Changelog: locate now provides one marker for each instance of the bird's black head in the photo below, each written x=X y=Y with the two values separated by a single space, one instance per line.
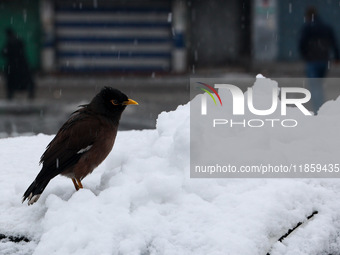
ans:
x=110 y=102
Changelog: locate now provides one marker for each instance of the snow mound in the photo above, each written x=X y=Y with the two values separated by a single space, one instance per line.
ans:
x=141 y=201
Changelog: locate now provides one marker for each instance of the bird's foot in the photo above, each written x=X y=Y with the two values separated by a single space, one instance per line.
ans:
x=77 y=184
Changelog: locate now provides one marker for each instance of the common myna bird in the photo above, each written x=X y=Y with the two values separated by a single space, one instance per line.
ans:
x=82 y=143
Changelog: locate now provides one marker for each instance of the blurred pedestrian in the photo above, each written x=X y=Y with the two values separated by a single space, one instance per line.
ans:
x=17 y=71
x=317 y=43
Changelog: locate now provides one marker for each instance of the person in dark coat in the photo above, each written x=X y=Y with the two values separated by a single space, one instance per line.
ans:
x=317 y=43
x=17 y=71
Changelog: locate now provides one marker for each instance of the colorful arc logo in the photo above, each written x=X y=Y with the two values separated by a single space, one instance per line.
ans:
x=209 y=93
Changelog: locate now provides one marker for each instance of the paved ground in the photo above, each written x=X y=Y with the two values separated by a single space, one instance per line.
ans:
x=58 y=97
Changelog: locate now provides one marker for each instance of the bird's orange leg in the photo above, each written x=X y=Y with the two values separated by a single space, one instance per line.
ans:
x=76 y=186
x=80 y=185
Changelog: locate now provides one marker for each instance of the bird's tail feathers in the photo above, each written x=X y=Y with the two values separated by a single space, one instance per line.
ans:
x=34 y=191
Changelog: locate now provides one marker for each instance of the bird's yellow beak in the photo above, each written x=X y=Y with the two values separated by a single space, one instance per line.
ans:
x=130 y=101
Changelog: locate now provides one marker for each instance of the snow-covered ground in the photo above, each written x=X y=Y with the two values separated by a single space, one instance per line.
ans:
x=141 y=201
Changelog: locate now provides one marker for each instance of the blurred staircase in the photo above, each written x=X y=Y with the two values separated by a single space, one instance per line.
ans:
x=113 y=35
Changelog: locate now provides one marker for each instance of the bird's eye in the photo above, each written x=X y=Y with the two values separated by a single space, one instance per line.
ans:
x=114 y=102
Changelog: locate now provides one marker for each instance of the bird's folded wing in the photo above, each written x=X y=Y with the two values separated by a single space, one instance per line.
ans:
x=75 y=138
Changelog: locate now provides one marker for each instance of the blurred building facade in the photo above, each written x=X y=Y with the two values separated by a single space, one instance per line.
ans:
x=158 y=36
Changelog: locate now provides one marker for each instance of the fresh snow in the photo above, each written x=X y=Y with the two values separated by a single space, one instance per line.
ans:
x=141 y=200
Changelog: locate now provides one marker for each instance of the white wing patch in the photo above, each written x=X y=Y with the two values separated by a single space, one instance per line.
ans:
x=85 y=149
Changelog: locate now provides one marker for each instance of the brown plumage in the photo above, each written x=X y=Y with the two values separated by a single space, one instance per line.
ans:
x=82 y=143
